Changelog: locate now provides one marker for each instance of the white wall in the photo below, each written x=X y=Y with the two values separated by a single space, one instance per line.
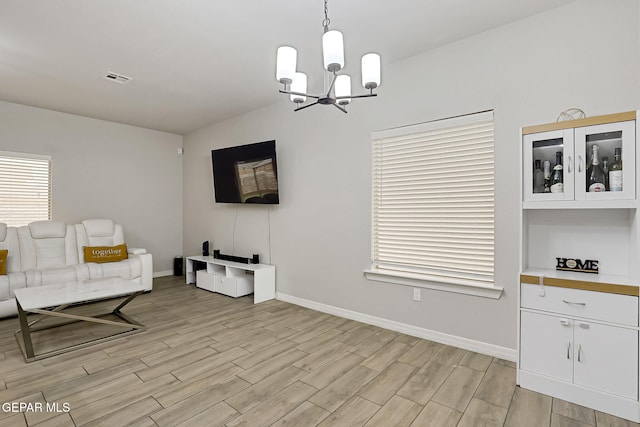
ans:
x=585 y=55
x=102 y=169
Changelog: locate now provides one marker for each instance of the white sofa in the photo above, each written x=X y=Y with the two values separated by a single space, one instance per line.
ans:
x=48 y=252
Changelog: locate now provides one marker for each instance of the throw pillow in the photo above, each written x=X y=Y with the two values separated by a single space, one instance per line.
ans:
x=3 y=261
x=105 y=253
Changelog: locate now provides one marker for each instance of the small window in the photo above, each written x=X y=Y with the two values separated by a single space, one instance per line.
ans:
x=25 y=188
x=433 y=201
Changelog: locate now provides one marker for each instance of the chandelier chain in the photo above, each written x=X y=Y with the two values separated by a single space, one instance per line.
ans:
x=326 y=21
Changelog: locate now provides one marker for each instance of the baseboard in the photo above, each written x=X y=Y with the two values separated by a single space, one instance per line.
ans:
x=460 y=342
x=162 y=273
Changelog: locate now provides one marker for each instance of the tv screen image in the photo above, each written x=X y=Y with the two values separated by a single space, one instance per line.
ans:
x=246 y=173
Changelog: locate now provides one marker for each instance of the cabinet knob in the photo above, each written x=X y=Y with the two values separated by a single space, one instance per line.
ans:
x=569 y=164
x=574 y=303
x=579 y=353
x=580 y=164
x=564 y=322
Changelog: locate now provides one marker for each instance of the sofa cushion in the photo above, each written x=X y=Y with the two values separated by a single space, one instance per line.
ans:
x=98 y=232
x=3 y=262
x=102 y=254
x=10 y=282
x=99 y=227
x=47 y=244
x=14 y=281
x=47 y=229
x=52 y=276
x=4 y=288
x=125 y=269
x=83 y=272
x=128 y=269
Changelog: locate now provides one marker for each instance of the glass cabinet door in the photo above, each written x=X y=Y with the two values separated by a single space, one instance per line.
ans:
x=602 y=152
x=548 y=166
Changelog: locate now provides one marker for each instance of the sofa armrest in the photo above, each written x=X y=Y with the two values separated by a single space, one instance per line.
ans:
x=146 y=278
x=136 y=251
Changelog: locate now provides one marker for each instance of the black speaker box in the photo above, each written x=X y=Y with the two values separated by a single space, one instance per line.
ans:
x=178 y=266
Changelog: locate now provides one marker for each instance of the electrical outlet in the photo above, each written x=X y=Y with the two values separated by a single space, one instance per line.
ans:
x=416 y=294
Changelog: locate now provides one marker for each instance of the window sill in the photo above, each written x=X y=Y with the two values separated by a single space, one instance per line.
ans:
x=419 y=281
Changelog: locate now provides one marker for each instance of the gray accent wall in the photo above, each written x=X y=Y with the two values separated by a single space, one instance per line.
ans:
x=103 y=169
x=585 y=54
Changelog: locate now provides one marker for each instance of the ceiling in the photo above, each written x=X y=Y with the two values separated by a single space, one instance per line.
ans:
x=196 y=62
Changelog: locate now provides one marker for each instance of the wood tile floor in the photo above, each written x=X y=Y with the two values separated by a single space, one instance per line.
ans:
x=210 y=360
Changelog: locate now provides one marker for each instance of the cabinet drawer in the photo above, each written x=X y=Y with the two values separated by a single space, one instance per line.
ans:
x=622 y=309
x=233 y=286
x=205 y=280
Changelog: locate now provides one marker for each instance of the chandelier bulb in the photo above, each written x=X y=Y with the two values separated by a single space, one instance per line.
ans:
x=299 y=85
x=286 y=60
x=333 y=50
x=343 y=89
x=371 y=71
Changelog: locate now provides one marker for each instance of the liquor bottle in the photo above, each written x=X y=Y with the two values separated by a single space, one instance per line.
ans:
x=615 y=171
x=595 y=174
x=605 y=169
x=538 y=179
x=547 y=176
x=557 y=183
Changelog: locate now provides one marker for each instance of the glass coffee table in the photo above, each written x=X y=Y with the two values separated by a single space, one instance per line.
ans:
x=51 y=300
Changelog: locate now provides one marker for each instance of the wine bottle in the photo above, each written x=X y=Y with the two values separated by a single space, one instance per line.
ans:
x=538 y=179
x=595 y=174
x=615 y=171
x=557 y=181
x=605 y=169
x=547 y=176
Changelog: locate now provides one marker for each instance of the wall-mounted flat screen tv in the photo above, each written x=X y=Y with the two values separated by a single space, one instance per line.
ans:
x=246 y=173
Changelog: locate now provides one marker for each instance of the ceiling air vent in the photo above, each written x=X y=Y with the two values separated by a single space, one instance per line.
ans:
x=118 y=78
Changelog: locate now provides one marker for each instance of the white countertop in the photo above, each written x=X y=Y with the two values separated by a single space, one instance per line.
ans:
x=583 y=277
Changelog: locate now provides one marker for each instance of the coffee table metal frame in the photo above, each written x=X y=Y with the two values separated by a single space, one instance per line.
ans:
x=26 y=326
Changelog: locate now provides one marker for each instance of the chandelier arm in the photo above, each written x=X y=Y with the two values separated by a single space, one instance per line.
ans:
x=288 y=92
x=333 y=82
x=340 y=108
x=305 y=106
x=368 y=95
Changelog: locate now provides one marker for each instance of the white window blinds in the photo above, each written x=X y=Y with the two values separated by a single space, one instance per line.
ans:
x=25 y=188
x=433 y=200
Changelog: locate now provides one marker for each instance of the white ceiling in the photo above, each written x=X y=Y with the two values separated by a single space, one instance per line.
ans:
x=195 y=62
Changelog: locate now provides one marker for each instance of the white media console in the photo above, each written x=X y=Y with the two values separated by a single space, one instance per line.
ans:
x=234 y=279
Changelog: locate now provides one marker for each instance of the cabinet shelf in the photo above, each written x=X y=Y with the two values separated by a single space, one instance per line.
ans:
x=581 y=204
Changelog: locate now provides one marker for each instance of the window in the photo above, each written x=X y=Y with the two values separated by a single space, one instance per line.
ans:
x=25 y=188
x=433 y=205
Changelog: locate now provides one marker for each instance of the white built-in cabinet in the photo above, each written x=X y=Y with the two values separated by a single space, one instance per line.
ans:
x=579 y=332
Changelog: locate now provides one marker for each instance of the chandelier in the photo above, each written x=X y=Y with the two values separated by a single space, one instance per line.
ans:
x=337 y=87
